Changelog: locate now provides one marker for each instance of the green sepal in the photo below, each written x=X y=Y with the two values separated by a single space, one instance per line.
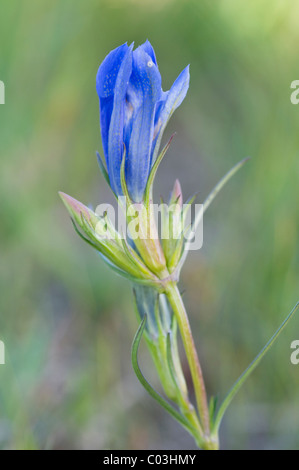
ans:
x=135 y=259
x=114 y=251
x=150 y=181
x=173 y=226
x=82 y=236
x=123 y=179
x=115 y=268
x=103 y=169
x=102 y=236
x=126 y=275
x=76 y=208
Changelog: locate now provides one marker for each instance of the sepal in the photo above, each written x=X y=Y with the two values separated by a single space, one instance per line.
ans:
x=173 y=227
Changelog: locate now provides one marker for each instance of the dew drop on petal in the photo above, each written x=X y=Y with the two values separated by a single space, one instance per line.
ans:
x=150 y=63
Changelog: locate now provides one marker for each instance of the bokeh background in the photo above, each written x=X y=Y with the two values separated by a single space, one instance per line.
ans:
x=66 y=320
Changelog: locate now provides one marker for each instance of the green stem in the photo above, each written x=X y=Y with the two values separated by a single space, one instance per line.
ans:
x=177 y=305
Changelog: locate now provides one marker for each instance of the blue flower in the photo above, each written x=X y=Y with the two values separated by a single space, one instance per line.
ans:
x=134 y=112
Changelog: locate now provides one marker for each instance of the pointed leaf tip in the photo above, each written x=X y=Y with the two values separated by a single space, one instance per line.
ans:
x=74 y=206
x=76 y=209
x=176 y=194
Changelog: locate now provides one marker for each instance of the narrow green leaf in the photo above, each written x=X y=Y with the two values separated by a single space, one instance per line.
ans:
x=82 y=236
x=169 y=408
x=103 y=168
x=115 y=268
x=125 y=274
x=223 y=182
x=212 y=409
x=217 y=189
x=153 y=172
x=135 y=259
x=234 y=390
x=170 y=362
x=207 y=203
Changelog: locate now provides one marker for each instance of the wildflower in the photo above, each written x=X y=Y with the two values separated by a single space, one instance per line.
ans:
x=134 y=111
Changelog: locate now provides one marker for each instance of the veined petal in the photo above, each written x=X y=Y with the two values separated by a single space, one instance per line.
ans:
x=172 y=101
x=158 y=123
x=108 y=71
x=105 y=84
x=106 y=106
x=112 y=80
x=148 y=48
x=175 y=95
x=144 y=91
x=133 y=99
x=116 y=127
x=134 y=113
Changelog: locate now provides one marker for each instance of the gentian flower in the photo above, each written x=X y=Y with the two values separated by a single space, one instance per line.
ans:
x=134 y=111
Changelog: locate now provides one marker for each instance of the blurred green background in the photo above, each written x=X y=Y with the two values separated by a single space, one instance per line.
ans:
x=66 y=320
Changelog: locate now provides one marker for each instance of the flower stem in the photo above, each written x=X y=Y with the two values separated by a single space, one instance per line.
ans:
x=177 y=305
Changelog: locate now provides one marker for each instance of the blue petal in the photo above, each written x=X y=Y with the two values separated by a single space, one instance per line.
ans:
x=148 y=48
x=113 y=81
x=144 y=91
x=159 y=107
x=112 y=78
x=108 y=71
x=105 y=84
x=171 y=102
x=106 y=106
x=116 y=129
